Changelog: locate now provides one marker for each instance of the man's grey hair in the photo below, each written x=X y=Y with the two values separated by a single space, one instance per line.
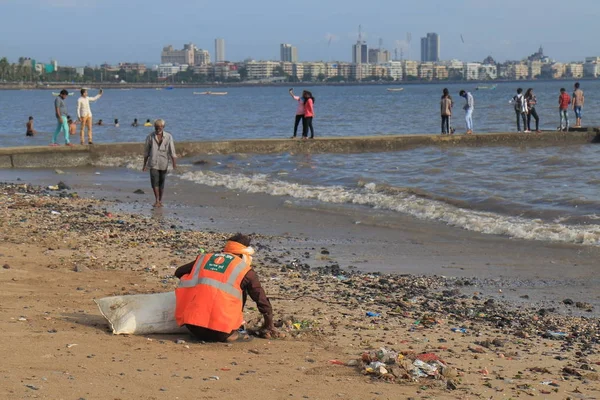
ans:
x=160 y=122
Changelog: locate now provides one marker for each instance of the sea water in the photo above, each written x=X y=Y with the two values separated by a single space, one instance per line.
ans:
x=543 y=193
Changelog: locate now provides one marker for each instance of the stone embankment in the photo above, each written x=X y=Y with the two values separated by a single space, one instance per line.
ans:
x=76 y=156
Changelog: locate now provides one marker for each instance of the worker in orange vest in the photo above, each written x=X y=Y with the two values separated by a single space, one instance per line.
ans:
x=213 y=289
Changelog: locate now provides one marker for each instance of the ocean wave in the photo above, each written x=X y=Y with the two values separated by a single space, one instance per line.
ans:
x=408 y=201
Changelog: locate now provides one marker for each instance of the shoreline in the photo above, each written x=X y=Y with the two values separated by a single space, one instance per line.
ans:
x=97 y=253
x=157 y=85
x=389 y=242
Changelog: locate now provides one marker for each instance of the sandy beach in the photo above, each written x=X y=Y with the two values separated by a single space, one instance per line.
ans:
x=60 y=253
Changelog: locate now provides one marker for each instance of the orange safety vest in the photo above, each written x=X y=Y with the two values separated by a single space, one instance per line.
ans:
x=210 y=296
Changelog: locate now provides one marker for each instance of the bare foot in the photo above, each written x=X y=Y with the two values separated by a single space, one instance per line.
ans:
x=157 y=204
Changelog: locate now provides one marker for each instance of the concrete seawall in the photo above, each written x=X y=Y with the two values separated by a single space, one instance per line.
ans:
x=62 y=157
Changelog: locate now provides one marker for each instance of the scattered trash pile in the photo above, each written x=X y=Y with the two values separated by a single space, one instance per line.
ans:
x=289 y=326
x=427 y=369
x=433 y=300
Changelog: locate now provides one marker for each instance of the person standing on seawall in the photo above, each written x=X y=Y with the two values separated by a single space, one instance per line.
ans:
x=563 y=108
x=159 y=148
x=84 y=114
x=520 y=110
x=468 y=107
x=60 y=110
x=578 y=100
x=446 y=109
x=299 y=111
x=309 y=113
x=531 y=102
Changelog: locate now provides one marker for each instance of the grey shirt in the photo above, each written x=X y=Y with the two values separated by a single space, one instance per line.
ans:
x=60 y=104
x=159 y=155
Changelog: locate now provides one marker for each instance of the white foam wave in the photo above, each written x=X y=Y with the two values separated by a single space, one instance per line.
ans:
x=409 y=203
x=131 y=162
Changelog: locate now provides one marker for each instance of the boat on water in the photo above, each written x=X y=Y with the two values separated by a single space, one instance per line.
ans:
x=58 y=94
x=395 y=89
x=486 y=87
x=212 y=93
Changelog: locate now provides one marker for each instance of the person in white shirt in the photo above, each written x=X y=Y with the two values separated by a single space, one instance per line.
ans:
x=84 y=114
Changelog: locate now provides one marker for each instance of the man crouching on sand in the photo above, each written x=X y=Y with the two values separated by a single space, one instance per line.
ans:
x=212 y=292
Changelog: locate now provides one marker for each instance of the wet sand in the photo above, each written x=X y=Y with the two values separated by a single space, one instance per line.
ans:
x=369 y=240
x=56 y=344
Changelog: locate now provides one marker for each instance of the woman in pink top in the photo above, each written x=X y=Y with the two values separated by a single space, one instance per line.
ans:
x=299 y=111
x=309 y=113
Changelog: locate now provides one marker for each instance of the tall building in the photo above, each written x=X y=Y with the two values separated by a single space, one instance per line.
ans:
x=430 y=48
x=171 y=56
x=219 y=50
x=378 y=56
x=288 y=53
x=360 y=53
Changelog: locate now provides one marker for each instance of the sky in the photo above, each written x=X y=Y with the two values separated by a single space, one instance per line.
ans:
x=91 y=32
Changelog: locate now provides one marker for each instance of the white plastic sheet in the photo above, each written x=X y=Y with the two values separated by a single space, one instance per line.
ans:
x=141 y=314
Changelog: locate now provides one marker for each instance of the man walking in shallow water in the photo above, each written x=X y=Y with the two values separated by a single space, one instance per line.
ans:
x=159 y=148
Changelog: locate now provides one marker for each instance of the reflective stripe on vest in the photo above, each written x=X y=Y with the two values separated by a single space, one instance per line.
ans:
x=193 y=281
x=226 y=287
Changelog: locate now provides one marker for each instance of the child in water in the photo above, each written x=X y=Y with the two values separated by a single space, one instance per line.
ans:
x=72 y=125
x=135 y=123
x=30 y=130
x=148 y=123
x=117 y=122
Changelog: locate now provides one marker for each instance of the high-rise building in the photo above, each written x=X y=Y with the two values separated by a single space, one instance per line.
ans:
x=360 y=53
x=378 y=56
x=288 y=53
x=219 y=50
x=430 y=48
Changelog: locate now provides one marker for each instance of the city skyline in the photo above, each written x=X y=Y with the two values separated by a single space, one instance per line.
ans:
x=486 y=29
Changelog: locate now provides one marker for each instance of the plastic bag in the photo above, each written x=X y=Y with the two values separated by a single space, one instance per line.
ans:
x=141 y=314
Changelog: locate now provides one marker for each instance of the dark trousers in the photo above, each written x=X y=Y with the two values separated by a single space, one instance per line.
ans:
x=157 y=178
x=533 y=113
x=306 y=125
x=445 y=124
x=297 y=122
x=521 y=115
x=207 y=335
